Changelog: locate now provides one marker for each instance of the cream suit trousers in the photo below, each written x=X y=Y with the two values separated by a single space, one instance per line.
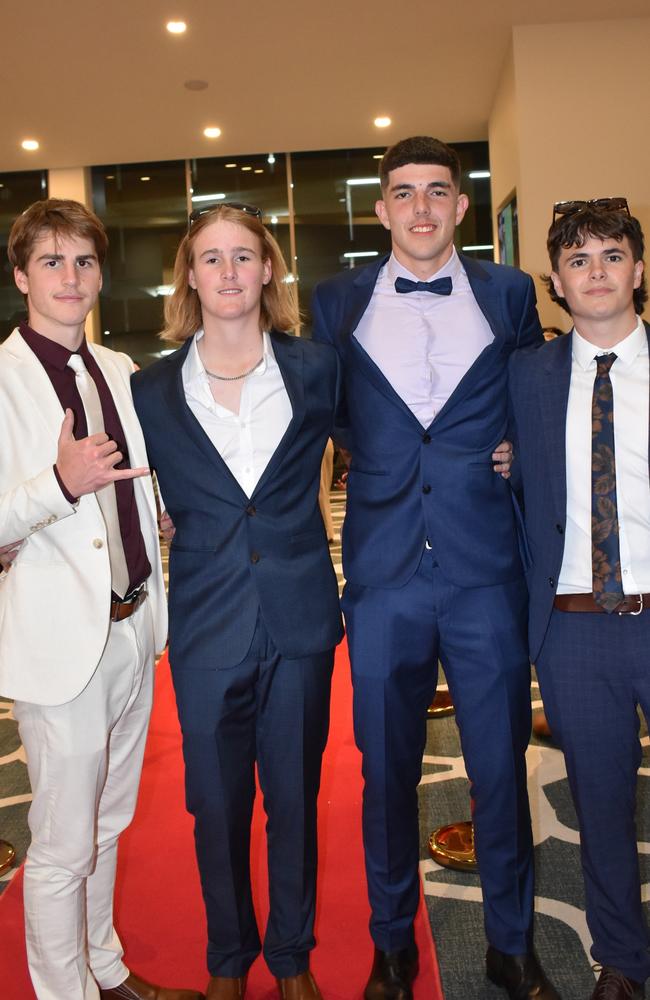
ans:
x=84 y=760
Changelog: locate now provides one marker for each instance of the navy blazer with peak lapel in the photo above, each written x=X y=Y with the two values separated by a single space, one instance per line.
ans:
x=539 y=390
x=407 y=484
x=233 y=555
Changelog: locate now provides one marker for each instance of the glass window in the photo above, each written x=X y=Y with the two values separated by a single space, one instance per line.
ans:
x=17 y=192
x=144 y=209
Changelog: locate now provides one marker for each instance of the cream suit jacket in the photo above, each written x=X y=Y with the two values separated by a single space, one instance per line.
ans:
x=54 y=601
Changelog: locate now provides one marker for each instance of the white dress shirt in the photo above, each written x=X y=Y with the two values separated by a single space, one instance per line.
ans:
x=245 y=440
x=631 y=387
x=423 y=342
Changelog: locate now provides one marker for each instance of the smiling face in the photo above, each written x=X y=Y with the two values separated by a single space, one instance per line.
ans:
x=421 y=207
x=61 y=280
x=597 y=280
x=228 y=272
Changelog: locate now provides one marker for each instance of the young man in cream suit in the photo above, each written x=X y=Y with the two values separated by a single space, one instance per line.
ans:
x=82 y=604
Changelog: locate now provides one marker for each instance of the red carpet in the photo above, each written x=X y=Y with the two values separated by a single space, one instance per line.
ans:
x=159 y=910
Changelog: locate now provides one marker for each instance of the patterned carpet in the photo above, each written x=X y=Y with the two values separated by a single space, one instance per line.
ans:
x=453 y=899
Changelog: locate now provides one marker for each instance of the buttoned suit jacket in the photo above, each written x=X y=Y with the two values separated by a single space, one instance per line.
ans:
x=408 y=483
x=55 y=599
x=233 y=556
x=539 y=391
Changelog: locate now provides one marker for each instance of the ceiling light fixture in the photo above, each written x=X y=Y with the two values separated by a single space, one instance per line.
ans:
x=478 y=174
x=30 y=144
x=270 y=158
x=229 y=165
x=258 y=171
x=358 y=181
x=480 y=246
x=361 y=253
x=145 y=178
x=176 y=27
x=212 y=132
x=383 y=121
x=246 y=168
x=378 y=156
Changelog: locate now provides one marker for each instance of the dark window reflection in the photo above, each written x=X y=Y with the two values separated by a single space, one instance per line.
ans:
x=144 y=209
x=17 y=192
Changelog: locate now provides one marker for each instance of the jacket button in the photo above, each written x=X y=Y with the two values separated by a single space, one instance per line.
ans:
x=426 y=438
x=255 y=557
x=426 y=489
x=250 y=510
x=97 y=542
x=559 y=529
x=551 y=581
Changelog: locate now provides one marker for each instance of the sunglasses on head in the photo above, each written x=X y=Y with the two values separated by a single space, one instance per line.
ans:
x=600 y=204
x=240 y=205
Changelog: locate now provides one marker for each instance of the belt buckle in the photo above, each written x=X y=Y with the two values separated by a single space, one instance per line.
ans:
x=638 y=611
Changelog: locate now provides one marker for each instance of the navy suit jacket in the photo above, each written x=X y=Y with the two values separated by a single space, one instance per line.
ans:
x=539 y=390
x=233 y=555
x=407 y=484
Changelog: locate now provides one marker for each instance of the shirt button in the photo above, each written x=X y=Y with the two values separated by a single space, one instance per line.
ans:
x=426 y=439
x=250 y=510
x=551 y=581
x=255 y=557
x=426 y=489
x=625 y=572
x=97 y=542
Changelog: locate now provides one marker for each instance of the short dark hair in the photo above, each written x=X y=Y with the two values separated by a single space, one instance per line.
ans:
x=60 y=217
x=572 y=231
x=419 y=149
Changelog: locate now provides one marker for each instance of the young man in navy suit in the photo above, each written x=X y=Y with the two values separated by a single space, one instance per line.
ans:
x=582 y=412
x=431 y=553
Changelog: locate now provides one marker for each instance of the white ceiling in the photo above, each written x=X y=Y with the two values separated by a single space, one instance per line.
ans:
x=100 y=82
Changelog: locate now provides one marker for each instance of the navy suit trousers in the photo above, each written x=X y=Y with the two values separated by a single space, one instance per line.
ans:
x=479 y=634
x=594 y=673
x=272 y=711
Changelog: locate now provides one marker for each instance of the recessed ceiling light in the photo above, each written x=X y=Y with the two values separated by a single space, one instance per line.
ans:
x=30 y=144
x=274 y=218
x=229 y=165
x=247 y=168
x=176 y=27
x=145 y=178
x=258 y=171
x=383 y=121
x=212 y=132
x=270 y=158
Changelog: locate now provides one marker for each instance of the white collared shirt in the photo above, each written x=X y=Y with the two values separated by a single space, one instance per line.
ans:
x=631 y=387
x=245 y=440
x=422 y=342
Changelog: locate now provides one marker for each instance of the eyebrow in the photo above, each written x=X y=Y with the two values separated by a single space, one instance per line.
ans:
x=584 y=254
x=411 y=187
x=233 y=249
x=60 y=256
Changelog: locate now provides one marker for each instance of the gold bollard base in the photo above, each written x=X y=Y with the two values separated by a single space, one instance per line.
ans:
x=453 y=847
x=440 y=706
x=7 y=855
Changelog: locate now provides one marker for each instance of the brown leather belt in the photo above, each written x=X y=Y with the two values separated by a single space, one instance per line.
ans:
x=632 y=604
x=124 y=609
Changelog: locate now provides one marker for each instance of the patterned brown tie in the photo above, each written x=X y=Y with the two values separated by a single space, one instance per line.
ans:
x=605 y=552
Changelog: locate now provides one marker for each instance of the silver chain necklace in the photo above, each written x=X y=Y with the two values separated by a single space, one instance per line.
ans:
x=233 y=378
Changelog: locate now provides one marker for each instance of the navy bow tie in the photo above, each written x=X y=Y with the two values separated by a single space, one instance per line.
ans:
x=441 y=286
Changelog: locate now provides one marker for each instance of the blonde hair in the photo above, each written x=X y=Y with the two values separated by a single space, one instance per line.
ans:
x=278 y=307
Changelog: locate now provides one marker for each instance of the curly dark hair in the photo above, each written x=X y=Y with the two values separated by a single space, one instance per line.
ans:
x=572 y=231
x=419 y=149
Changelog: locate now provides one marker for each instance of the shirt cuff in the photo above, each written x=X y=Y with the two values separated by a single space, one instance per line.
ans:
x=65 y=492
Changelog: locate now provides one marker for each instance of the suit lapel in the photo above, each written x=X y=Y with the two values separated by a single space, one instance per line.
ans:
x=35 y=381
x=554 y=382
x=289 y=357
x=180 y=412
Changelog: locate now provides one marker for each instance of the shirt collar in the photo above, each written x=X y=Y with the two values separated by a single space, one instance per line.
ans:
x=195 y=369
x=48 y=351
x=627 y=350
x=452 y=269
